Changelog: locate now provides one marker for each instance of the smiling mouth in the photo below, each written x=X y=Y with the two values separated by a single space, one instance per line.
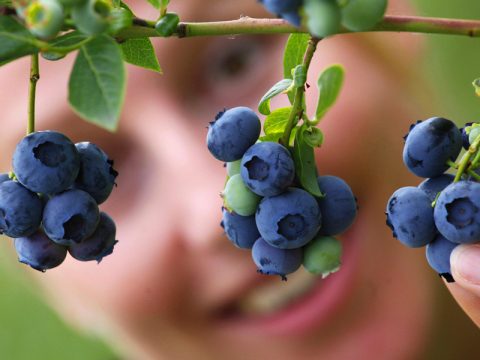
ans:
x=303 y=303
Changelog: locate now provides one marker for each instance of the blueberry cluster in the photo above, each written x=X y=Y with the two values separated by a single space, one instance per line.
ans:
x=326 y=17
x=49 y=204
x=264 y=208
x=440 y=213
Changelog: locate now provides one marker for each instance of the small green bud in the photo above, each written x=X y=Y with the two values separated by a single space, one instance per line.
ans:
x=167 y=25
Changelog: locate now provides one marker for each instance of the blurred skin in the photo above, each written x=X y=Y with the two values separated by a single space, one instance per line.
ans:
x=165 y=291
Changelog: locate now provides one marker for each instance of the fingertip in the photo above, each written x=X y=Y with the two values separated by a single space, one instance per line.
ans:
x=465 y=264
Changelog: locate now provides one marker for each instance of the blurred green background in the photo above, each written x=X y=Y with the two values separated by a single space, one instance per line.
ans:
x=30 y=329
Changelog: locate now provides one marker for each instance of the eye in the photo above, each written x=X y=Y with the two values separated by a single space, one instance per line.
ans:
x=234 y=71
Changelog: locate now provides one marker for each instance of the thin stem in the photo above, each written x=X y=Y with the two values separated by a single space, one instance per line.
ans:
x=247 y=25
x=34 y=77
x=464 y=162
x=297 y=107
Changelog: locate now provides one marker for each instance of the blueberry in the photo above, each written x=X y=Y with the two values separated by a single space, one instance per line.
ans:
x=239 y=198
x=241 y=230
x=267 y=168
x=39 y=252
x=322 y=255
x=474 y=132
x=92 y=17
x=438 y=256
x=410 y=216
x=233 y=168
x=4 y=177
x=274 y=261
x=232 y=133
x=289 y=220
x=435 y=185
x=44 y=18
x=457 y=212
x=20 y=210
x=46 y=162
x=362 y=15
x=99 y=244
x=96 y=175
x=324 y=17
x=429 y=145
x=338 y=207
x=293 y=17
x=70 y=217
x=465 y=137
x=282 y=6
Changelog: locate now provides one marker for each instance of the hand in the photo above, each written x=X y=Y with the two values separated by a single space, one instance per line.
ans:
x=465 y=266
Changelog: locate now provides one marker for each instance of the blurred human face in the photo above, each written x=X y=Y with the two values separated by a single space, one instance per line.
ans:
x=175 y=287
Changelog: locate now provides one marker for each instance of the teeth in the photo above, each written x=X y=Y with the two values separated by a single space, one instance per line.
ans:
x=272 y=297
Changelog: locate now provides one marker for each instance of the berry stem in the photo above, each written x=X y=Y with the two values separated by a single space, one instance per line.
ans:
x=464 y=164
x=247 y=25
x=34 y=77
x=297 y=107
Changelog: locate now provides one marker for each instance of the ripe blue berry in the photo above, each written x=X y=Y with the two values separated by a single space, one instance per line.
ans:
x=4 y=177
x=267 y=168
x=289 y=220
x=338 y=207
x=435 y=185
x=457 y=212
x=282 y=6
x=410 y=216
x=70 y=217
x=274 y=261
x=232 y=133
x=39 y=252
x=465 y=137
x=46 y=162
x=20 y=210
x=241 y=230
x=97 y=175
x=438 y=256
x=239 y=198
x=429 y=145
x=293 y=17
x=99 y=244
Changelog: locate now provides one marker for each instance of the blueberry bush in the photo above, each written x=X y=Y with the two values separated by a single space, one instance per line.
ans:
x=275 y=202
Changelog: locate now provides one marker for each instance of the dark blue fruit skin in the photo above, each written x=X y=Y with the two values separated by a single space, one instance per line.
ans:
x=281 y=6
x=338 y=207
x=4 y=177
x=39 y=252
x=457 y=212
x=96 y=175
x=293 y=17
x=232 y=133
x=465 y=140
x=438 y=255
x=241 y=230
x=20 y=210
x=274 y=261
x=46 y=162
x=99 y=244
x=410 y=216
x=433 y=186
x=70 y=217
x=429 y=145
x=289 y=220
x=267 y=168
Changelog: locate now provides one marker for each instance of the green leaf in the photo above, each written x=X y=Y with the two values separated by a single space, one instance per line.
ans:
x=276 y=121
x=305 y=166
x=15 y=40
x=278 y=88
x=97 y=82
x=294 y=50
x=329 y=85
x=313 y=136
x=155 y=3
x=140 y=52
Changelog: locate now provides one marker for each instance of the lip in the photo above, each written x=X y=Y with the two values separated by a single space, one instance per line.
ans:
x=311 y=311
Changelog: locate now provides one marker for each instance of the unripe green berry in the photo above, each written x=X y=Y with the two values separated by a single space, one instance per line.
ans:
x=238 y=198
x=93 y=16
x=322 y=255
x=233 y=168
x=44 y=18
x=324 y=17
x=362 y=15
x=473 y=134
